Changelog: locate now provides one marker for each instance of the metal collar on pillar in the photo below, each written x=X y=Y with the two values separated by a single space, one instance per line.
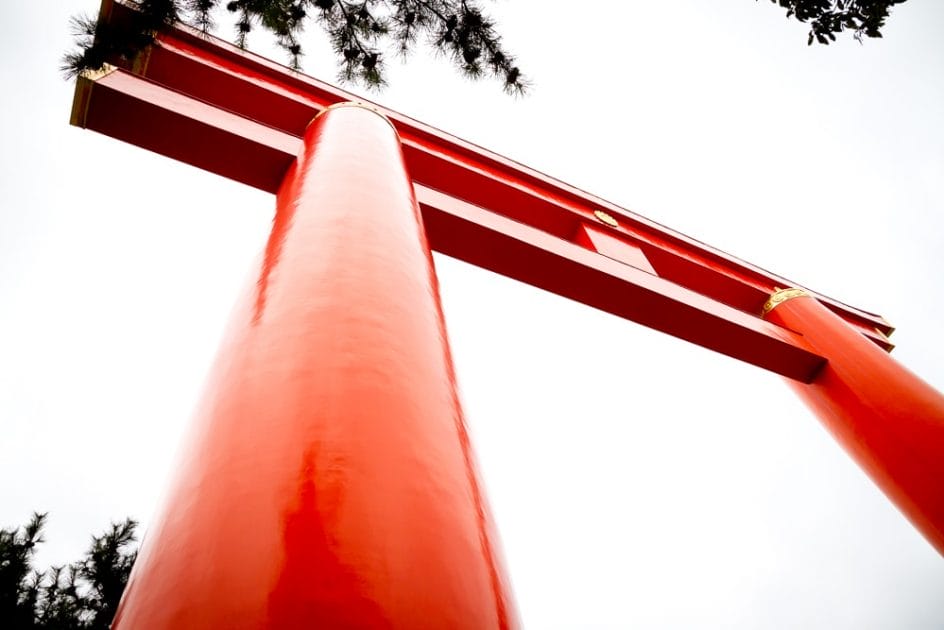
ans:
x=780 y=296
x=358 y=104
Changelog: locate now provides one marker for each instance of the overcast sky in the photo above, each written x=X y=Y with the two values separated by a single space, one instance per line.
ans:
x=637 y=480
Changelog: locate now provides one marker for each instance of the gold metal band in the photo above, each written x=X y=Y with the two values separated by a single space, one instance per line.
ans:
x=780 y=296
x=370 y=108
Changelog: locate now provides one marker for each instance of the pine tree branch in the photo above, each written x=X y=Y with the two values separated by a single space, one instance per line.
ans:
x=356 y=29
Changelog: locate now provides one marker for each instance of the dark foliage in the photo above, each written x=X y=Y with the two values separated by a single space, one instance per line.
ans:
x=829 y=17
x=362 y=32
x=81 y=596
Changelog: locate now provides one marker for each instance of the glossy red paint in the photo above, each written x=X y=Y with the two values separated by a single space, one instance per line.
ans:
x=889 y=420
x=330 y=482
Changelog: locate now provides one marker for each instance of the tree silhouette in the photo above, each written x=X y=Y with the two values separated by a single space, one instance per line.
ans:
x=829 y=17
x=81 y=596
x=362 y=32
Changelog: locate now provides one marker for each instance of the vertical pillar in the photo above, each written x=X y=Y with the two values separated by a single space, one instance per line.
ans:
x=889 y=420
x=330 y=482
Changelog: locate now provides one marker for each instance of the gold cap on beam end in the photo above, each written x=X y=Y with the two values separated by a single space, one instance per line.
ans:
x=83 y=92
x=95 y=75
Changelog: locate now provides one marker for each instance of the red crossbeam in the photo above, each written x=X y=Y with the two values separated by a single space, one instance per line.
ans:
x=204 y=102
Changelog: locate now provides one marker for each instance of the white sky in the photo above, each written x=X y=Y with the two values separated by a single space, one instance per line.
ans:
x=637 y=481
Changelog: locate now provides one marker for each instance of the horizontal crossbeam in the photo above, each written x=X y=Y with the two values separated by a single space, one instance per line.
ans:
x=204 y=102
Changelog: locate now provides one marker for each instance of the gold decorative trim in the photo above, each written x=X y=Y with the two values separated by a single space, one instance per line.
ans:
x=604 y=217
x=780 y=296
x=370 y=108
x=95 y=75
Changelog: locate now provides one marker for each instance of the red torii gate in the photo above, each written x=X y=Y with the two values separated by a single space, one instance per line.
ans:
x=330 y=479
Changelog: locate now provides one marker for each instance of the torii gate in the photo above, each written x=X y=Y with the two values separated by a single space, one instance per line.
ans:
x=329 y=480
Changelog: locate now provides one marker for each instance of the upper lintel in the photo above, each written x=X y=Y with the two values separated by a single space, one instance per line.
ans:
x=268 y=106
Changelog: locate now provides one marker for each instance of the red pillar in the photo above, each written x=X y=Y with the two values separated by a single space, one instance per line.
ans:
x=330 y=482
x=889 y=420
